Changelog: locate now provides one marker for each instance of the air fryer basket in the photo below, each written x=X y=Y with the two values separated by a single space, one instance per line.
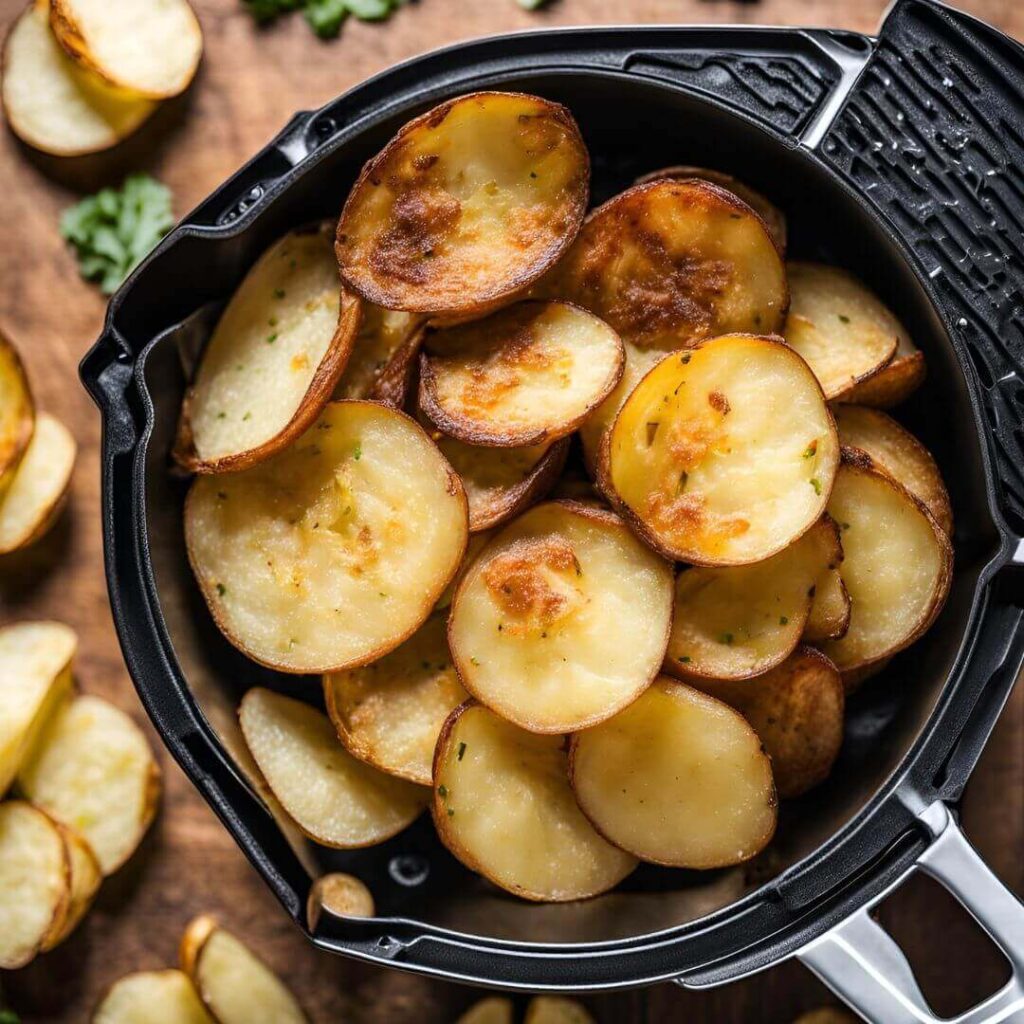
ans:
x=899 y=158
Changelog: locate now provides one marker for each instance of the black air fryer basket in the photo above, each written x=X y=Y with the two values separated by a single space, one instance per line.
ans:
x=900 y=157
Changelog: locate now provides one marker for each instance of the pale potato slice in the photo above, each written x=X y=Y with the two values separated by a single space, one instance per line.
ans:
x=723 y=455
x=897 y=564
x=677 y=778
x=274 y=357
x=467 y=205
x=53 y=104
x=17 y=412
x=35 y=678
x=150 y=48
x=330 y=554
x=830 y=609
x=383 y=360
x=84 y=882
x=335 y=798
x=39 y=486
x=35 y=882
x=899 y=453
x=494 y=1010
x=562 y=620
x=556 y=1010
x=389 y=713
x=670 y=263
x=503 y=806
x=339 y=894
x=235 y=986
x=840 y=327
x=93 y=770
x=525 y=375
x=152 y=997
x=894 y=383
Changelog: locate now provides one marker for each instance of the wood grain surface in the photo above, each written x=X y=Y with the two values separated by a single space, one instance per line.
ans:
x=250 y=83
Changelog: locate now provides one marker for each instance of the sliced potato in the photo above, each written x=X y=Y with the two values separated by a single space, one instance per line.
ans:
x=274 y=358
x=335 y=798
x=150 y=48
x=17 y=412
x=383 y=360
x=93 y=770
x=39 y=486
x=84 y=882
x=35 y=882
x=830 y=609
x=899 y=453
x=840 y=327
x=894 y=383
x=235 y=986
x=389 y=713
x=525 y=375
x=339 y=894
x=494 y=1010
x=677 y=778
x=503 y=806
x=467 y=205
x=556 y=1010
x=897 y=567
x=723 y=455
x=152 y=997
x=562 y=620
x=670 y=263
x=331 y=553
x=53 y=104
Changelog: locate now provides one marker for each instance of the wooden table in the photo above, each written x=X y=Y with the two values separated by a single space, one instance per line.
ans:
x=250 y=83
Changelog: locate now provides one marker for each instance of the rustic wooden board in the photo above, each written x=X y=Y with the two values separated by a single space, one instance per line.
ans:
x=250 y=84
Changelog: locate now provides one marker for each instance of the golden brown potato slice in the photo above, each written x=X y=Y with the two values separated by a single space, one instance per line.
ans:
x=740 y=621
x=556 y=1010
x=93 y=770
x=339 y=894
x=389 y=713
x=899 y=453
x=330 y=554
x=17 y=412
x=894 y=383
x=335 y=798
x=84 y=882
x=274 y=358
x=677 y=778
x=525 y=375
x=830 y=609
x=38 y=488
x=152 y=997
x=670 y=263
x=149 y=48
x=467 y=205
x=562 y=620
x=383 y=360
x=235 y=986
x=503 y=806
x=897 y=563
x=723 y=455
x=494 y=1010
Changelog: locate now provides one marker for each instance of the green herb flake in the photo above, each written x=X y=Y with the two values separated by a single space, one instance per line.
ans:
x=442 y=791
x=845 y=319
x=474 y=662
x=462 y=751
x=221 y=589
x=727 y=639
x=222 y=415
x=357 y=452
x=271 y=338
x=811 y=450
x=272 y=322
x=247 y=417
x=451 y=812
x=684 y=659
x=783 y=620
x=279 y=293
x=816 y=484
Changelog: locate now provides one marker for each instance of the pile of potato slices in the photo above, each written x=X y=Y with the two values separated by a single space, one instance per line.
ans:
x=579 y=655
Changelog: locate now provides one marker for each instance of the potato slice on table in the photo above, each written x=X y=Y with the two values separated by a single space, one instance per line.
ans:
x=339 y=894
x=722 y=455
x=895 y=382
x=830 y=609
x=384 y=354
x=335 y=798
x=150 y=48
x=274 y=357
x=677 y=778
x=467 y=205
x=84 y=882
x=330 y=554
x=556 y=1010
x=503 y=806
x=493 y=1010
x=562 y=620
x=17 y=412
x=389 y=713
x=152 y=997
x=93 y=770
x=525 y=375
x=235 y=986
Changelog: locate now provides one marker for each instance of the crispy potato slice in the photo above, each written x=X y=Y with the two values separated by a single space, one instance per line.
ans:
x=333 y=552
x=93 y=770
x=494 y=1010
x=35 y=678
x=274 y=357
x=339 y=894
x=897 y=567
x=741 y=621
x=17 y=412
x=899 y=453
x=723 y=455
x=494 y=781
x=150 y=48
x=677 y=778
x=525 y=375
x=830 y=609
x=35 y=882
x=39 y=486
x=562 y=620
x=383 y=360
x=389 y=713
x=467 y=205
x=670 y=263
x=840 y=327
x=84 y=882
x=152 y=997
x=335 y=798
x=556 y=1010
x=894 y=383
x=235 y=986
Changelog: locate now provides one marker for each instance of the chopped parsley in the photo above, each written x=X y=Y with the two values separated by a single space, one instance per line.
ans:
x=811 y=450
x=221 y=589
x=271 y=338
x=474 y=661
x=727 y=639
x=683 y=659
x=462 y=750
x=442 y=791
x=357 y=452
x=816 y=484
x=845 y=319
x=783 y=620
x=279 y=293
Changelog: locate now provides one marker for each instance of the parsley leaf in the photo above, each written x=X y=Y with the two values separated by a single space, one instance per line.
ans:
x=268 y=10
x=325 y=17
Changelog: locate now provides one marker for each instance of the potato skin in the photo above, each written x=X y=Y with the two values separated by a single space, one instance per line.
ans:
x=12 y=448
x=892 y=384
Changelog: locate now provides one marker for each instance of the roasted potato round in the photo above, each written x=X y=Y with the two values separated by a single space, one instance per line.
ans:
x=492 y=1010
x=84 y=879
x=149 y=997
x=382 y=364
x=339 y=894
x=895 y=382
x=17 y=412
